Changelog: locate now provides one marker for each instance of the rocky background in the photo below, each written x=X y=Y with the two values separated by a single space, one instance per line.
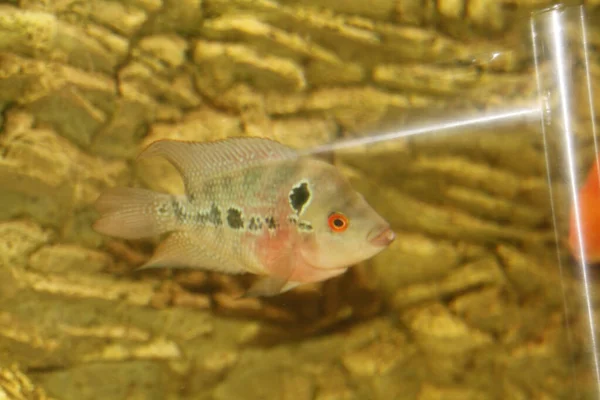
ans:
x=468 y=303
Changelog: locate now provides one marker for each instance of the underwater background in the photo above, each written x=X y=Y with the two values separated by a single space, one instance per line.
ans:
x=469 y=302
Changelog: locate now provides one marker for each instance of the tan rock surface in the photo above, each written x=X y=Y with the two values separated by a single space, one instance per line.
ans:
x=468 y=303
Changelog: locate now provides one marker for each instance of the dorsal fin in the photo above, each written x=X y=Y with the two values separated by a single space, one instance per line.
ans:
x=197 y=161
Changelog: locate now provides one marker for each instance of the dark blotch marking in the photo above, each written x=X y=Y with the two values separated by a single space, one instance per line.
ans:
x=234 y=218
x=213 y=216
x=299 y=196
x=305 y=226
x=271 y=223
x=163 y=208
x=255 y=224
x=178 y=210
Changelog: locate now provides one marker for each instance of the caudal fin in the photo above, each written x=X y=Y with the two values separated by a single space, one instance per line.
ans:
x=132 y=213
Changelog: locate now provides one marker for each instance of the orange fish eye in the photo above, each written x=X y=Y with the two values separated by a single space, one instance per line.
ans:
x=337 y=222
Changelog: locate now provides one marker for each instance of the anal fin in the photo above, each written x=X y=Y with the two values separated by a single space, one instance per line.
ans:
x=185 y=250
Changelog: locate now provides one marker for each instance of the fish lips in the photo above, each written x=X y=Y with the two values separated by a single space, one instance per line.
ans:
x=381 y=237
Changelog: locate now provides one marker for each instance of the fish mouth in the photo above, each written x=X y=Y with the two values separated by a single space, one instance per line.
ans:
x=382 y=237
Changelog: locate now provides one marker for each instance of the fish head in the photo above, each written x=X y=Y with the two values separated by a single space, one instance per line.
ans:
x=344 y=228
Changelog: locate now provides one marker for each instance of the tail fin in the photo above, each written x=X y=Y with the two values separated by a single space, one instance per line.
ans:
x=132 y=213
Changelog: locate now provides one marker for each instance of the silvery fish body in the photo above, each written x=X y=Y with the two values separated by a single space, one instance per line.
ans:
x=250 y=205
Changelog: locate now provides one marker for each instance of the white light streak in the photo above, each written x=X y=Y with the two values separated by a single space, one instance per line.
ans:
x=484 y=119
x=545 y=105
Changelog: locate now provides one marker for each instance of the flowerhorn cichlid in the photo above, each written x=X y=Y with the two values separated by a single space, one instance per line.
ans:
x=251 y=205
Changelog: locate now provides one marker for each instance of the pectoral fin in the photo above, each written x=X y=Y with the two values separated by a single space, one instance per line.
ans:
x=282 y=268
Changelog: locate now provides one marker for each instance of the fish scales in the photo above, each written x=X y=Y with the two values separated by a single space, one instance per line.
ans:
x=255 y=193
x=250 y=205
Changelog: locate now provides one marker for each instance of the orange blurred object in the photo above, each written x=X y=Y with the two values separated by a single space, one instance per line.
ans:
x=589 y=212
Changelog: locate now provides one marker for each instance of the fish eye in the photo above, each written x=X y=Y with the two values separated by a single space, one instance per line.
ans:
x=337 y=222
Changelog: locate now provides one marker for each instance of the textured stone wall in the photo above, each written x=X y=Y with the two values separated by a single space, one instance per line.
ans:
x=468 y=303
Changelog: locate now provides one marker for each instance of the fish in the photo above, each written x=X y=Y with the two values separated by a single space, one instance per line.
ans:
x=588 y=205
x=251 y=205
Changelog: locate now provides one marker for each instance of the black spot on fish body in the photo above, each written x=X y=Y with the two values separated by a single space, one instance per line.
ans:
x=162 y=209
x=201 y=218
x=305 y=226
x=255 y=224
x=234 y=218
x=252 y=225
x=213 y=216
x=178 y=210
x=271 y=223
x=299 y=197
